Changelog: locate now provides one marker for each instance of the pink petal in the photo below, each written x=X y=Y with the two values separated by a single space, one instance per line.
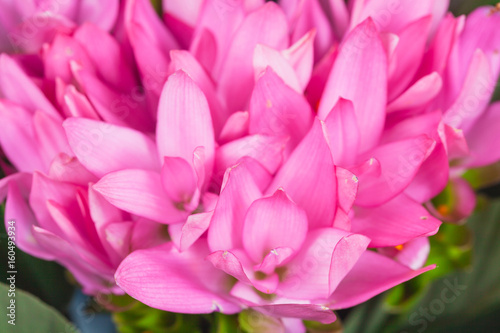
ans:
x=76 y=104
x=17 y=87
x=360 y=75
x=414 y=253
x=235 y=127
x=419 y=94
x=50 y=136
x=340 y=17
x=277 y=110
x=273 y=222
x=475 y=94
x=184 y=121
x=17 y=138
x=431 y=177
x=104 y=148
x=347 y=186
x=310 y=15
x=267 y=150
x=343 y=133
x=373 y=274
x=436 y=57
x=217 y=23
x=483 y=137
x=228 y=263
x=139 y=192
x=195 y=226
x=238 y=192
x=181 y=18
x=319 y=77
x=193 y=288
x=204 y=49
x=275 y=258
x=185 y=61
x=179 y=179
x=104 y=15
x=395 y=16
x=267 y=25
x=60 y=53
x=264 y=57
x=93 y=281
x=111 y=105
x=395 y=222
x=67 y=168
x=299 y=178
x=109 y=60
x=151 y=43
x=301 y=56
x=408 y=55
x=326 y=257
x=399 y=162
x=18 y=210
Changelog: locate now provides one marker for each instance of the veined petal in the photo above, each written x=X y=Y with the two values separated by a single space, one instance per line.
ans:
x=326 y=257
x=185 y=61
x=107 y=56
x=299 y=178
x=178 y=179
x=267 y=25
x=139 y=192
x=17 y=87
x=475 y=94
x=184 y=121
x=398 y=162
x=264 y=57
x=277 y=110
x=419 y=94
x=104 y=148
x=395 y=222
x=194 y=288
x=482 y=138
x=227 y=262
x=18 y=210
x=360 y=75
x=271 y=223
x=17 y=138
x=301 y=56
x=343 y=133
x=238 y=192
x=104 y=15
x=50 y=136
x=372 y=274
x=235 y=127
x=408 y=55
x=267 y=150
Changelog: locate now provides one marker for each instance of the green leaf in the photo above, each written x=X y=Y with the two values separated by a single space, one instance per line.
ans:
x=31 y=314
x=142 y=318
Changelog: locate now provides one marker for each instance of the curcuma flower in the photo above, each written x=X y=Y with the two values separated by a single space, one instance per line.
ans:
x=289 y=149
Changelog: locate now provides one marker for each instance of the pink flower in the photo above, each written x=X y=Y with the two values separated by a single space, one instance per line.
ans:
x=24 y=27
x=288 y=148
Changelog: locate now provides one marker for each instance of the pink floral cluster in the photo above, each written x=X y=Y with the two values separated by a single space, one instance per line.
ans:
x=241 y=153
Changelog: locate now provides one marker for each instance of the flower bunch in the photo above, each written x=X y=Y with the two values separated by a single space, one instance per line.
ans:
x=243 y=154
